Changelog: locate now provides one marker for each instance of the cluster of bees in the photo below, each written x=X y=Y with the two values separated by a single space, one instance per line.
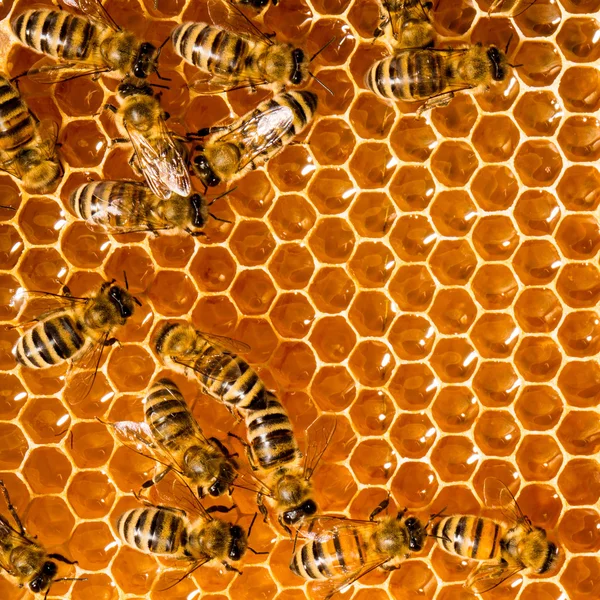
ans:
x=333 y=551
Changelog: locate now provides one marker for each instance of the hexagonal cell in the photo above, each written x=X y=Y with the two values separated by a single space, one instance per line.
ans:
x=294 y=364
x=537 y=262
x=453 y=20
x=371 y=117
x=332 y=141
x=417 y=580
x=576 y=471
x=539 y=408
x=579 y=381
x=259 y=335
x=503 y=470
x=371 y=314
x=292 y=315
x=372 y=363
x=12 y=398
x=579 y=187
x=540 y=63
x=578 y=89
x=95 y=585
x=578 y=137
x=454 y=360
x=333 y=388
x=252 y=243
x=41 y=220
x=291 y=169
x=331 y=191
x=412 y=337
x=253 y=195
x=539 y=458
x=537 y=212
x=495 y=335
x=292 y=217
x=541 y=503
x=90 y=445
x=579 y=334
x=336 y=486
x=413 y=238
x=456 y=119
x=538 y=358
x=494 y=187
x=538 y=163
x=372 y=165
x=373 y=462
x=11 y=247
x=495 y=138
x=453 y=262
x=413 y=139
x=412 y=288
x=413 y=386
x=453 y=163
x=91 y=494
x=43 y=269
x=372 y=264
x=579 y=285
x=82 y=144
x=331 y=289
x=495 y=238
x=97 y=401
x=372 y=412
x=412 y=188
x=135 y=262
x=292 y=266
x=253 y=292
x=11 y=298
x=413 y=434
x=578 y=432
x=579 y=530
x=415 y=484
x=49 y=518
x=93 y=545
x=47 y=470
x=496 y=384
x=139 y=370
x=333 y=339
x=455 y=458
x=339 y=82
x=332 y=240
x=453 y=213
x=172 y=251
x=13 y=446
x=133 y=571
x=455 y=409
x=579 y=237
x=497 y=433
x=372 y=214
x=161 y=293
x=453 y=311
x=45 y=419
x=215 y=314
x=578 y=39
x=538 y=113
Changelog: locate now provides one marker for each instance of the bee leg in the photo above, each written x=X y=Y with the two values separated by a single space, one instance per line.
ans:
x=11 y=508
x=155 y=479
x=284 y=526
x=261 y=507
x=248 y=450
x=437 y=102
x=229 y=567
x=380 y=507
x=66 y=291
x=219 y=444
x=112 y=341
x=111 y=107
x=117 y=141
x=62 y=559
x=220 y=508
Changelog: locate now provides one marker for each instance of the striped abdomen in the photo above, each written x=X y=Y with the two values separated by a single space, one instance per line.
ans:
x=113 y=204
x=337 y=554
x=59 y=34
x=168 y=415
x=271 y=436
x=229 y=378
x=477 y=538
x=152 y=529
x=409 y=75
x=16 y=123
x=215 y=50
x=51 y=341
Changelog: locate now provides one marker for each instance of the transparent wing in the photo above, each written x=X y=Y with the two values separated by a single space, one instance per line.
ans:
x=176 y=493
x=326 y=527
x=10 y=538
x=204 y=83
x=59 y=303
x=94 y=10
x=229 y=16
x=210 y=368
x=161 y=162
x=225 y=342
x=8 y=164
x=47 y=133
x=47 y=71
x=497 y=495
x=489 y=575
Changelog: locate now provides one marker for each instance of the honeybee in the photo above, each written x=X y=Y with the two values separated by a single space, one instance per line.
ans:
x=221 y=373
x=88 y=45
x=409 y=23
x=504 y=549
x=343 y=550
x=512 y=8
x=253 y=139
x=157 y=156
x=24 y=558
x=238 y=56
x=27 y=146
x=130 y=206
x=436 y=74
x=78 y=331
x=173 y=437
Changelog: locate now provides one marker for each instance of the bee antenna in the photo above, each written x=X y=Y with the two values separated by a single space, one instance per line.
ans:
x=125 y=280
x=508 y=43
x=218 y=218
x=218 y=197
x=515 y=66
x=321 y=49
x=320 y=82
x=157 y=85
x=8 y=207
x=256 y=551
x=251 y=525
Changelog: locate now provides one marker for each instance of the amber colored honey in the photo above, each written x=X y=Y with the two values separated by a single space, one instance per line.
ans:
x=429 y=284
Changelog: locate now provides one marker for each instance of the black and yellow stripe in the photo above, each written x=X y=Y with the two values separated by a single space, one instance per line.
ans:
x=477 y=538
x=16 y=123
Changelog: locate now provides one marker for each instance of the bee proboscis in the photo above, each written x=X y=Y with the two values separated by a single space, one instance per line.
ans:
x=172 y=436
x=408 y=22
x=504 y=549
x=157 y=155
x=88 y=45
x=340 y=551
x=27 y=146
x=253 y=139
x=23 y=558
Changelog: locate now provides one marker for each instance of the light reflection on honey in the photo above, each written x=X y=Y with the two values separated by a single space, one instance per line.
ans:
x=433 y=282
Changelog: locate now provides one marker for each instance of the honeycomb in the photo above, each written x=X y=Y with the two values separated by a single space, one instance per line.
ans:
x=428 y=283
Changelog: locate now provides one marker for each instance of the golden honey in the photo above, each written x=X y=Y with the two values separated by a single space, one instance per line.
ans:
x=431 y=284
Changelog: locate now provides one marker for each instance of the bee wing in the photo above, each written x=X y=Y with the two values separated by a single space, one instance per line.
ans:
x=488 y=575
x=205 y=83
x=207 y=369
x=8 y=164
x=94 y=10
x=225 y=342
x=497 y=495
x=228 y=15
x=161 y=162
x=326 y=527
x=47 y=133
x=10 y=538
x=175 y=492
x=47 y=71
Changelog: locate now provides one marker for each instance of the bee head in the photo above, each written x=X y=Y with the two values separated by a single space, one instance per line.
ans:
x=121 y=300
x=298 y=513
x=42 y=175
x=223 y=481
x=199 y=211
x=204 y=171
x=145 y=61
x=416 y=535
x=497 y=62
x=44 y=577
x=298 y=68
x=238 y=544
